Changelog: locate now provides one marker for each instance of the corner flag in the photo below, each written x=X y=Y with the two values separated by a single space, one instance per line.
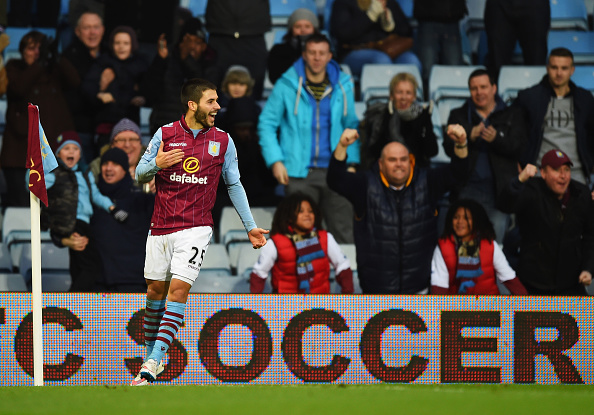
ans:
x=40 y=158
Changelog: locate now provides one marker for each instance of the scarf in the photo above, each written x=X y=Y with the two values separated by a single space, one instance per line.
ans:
x=308 y=248
x=119 y=190
x=469 y=263
x=411 y=112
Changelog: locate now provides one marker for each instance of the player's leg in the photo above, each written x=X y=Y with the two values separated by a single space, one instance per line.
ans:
x=189 y=248
x=157 y=276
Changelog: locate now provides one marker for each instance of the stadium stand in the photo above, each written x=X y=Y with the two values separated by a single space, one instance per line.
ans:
x=12 y=282
x=569 y=15
x=512 y=79
x=16 y=33
x=55 y=272
x=5 y=259
x=16 y=231
x=281 y=10
x=449 y=82
x=584 y=77
x=580 y=43
x=197 y=7
x=375 y=80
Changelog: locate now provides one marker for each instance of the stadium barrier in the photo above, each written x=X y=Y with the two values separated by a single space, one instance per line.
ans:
x=291 y=339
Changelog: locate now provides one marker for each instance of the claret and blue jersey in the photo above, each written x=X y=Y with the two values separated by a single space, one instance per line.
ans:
x=187 y=190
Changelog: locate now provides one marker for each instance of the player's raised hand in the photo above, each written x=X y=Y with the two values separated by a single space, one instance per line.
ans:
x=528 y=172
x=257 y=237
x=166 y=159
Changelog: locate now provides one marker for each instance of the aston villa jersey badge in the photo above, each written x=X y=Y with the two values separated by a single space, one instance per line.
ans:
x=214 y=148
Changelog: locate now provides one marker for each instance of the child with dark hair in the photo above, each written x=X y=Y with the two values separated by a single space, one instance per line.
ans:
x=299 y=252
x=466 y=259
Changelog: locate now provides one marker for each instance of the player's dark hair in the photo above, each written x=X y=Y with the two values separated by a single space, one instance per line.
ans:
x=287 y=210
x=193 y=89
x=561 y=52
x=481 y=224
x=481 y=72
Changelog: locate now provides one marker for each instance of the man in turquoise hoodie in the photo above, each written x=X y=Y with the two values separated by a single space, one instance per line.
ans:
x=300 y=126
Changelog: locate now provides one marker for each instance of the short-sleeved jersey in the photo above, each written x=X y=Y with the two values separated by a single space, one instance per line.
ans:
x=186 y=191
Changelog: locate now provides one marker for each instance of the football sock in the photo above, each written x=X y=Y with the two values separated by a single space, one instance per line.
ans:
x=172 y=319
x=153 y=313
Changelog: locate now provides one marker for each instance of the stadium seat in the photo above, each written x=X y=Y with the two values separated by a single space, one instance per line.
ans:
x=215 y=272
x=145 y=114
x=580 y=43
x=350 y=252
x=5 y=259
x=17 y=33
x=216 y=261
x=16 y=230
x=280 y=10
x=247 y=258
x=407 y=7
x=360 y=108
x=197 y=7
x=211 y=283
x=375 y=80
x=584 y=77
x=474 y=24
x=515 y=78
x=12 y=282
x=55 y=272
x=3 y=106
x=448 y=81
x=569 y=15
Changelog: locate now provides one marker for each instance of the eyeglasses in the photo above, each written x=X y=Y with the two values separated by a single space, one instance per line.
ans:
x=126 y=140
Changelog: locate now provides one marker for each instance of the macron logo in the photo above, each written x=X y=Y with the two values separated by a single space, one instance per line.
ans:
x=186 y=178
x=178 y=145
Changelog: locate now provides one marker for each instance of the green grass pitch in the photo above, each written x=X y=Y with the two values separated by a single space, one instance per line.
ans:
x=300 y=399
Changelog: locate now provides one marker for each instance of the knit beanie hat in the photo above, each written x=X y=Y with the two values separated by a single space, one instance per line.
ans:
x=67 y=137
x=124 y=29
x=125 y=124
x=303 y=14
x=116 y=155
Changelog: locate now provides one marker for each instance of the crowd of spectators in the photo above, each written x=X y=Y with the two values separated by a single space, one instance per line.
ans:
x=369 y=181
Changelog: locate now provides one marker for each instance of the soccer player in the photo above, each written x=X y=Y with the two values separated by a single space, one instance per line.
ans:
x=186 y=158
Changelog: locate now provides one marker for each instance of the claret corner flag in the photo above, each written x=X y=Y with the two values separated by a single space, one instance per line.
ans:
x=40 y=157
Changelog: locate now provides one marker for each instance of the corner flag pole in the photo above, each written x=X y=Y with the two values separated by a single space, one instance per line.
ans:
x=36 y=294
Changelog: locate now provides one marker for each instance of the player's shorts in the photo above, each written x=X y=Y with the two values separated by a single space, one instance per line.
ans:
x=179 y=253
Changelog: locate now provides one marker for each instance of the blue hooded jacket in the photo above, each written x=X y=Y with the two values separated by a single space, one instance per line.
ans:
x=290 y=111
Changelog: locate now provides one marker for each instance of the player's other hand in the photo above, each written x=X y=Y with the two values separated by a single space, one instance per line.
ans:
x=166 y=159
x=257 y=237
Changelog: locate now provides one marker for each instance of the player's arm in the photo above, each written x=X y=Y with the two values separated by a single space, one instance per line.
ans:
x=239 y=198
x=156 y=158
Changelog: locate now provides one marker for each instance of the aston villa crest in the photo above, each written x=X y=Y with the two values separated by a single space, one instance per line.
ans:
x=214 y=148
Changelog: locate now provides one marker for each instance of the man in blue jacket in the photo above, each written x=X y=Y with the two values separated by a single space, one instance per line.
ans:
x=309 y=108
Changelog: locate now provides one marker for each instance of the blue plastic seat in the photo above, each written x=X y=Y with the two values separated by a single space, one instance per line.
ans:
x=375 y=80
x=447 y=81
x=515 y=78
x=569 y=15
x=280 y=10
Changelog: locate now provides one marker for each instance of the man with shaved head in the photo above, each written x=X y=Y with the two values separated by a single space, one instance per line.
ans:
x=395 y=206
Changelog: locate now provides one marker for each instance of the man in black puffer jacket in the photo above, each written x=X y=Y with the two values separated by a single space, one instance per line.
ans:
x=395 y=212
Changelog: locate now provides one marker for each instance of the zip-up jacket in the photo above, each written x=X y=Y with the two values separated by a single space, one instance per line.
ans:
x=287 y=121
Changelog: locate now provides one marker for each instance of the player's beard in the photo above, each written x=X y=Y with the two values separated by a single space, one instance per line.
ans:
x=202 y=119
